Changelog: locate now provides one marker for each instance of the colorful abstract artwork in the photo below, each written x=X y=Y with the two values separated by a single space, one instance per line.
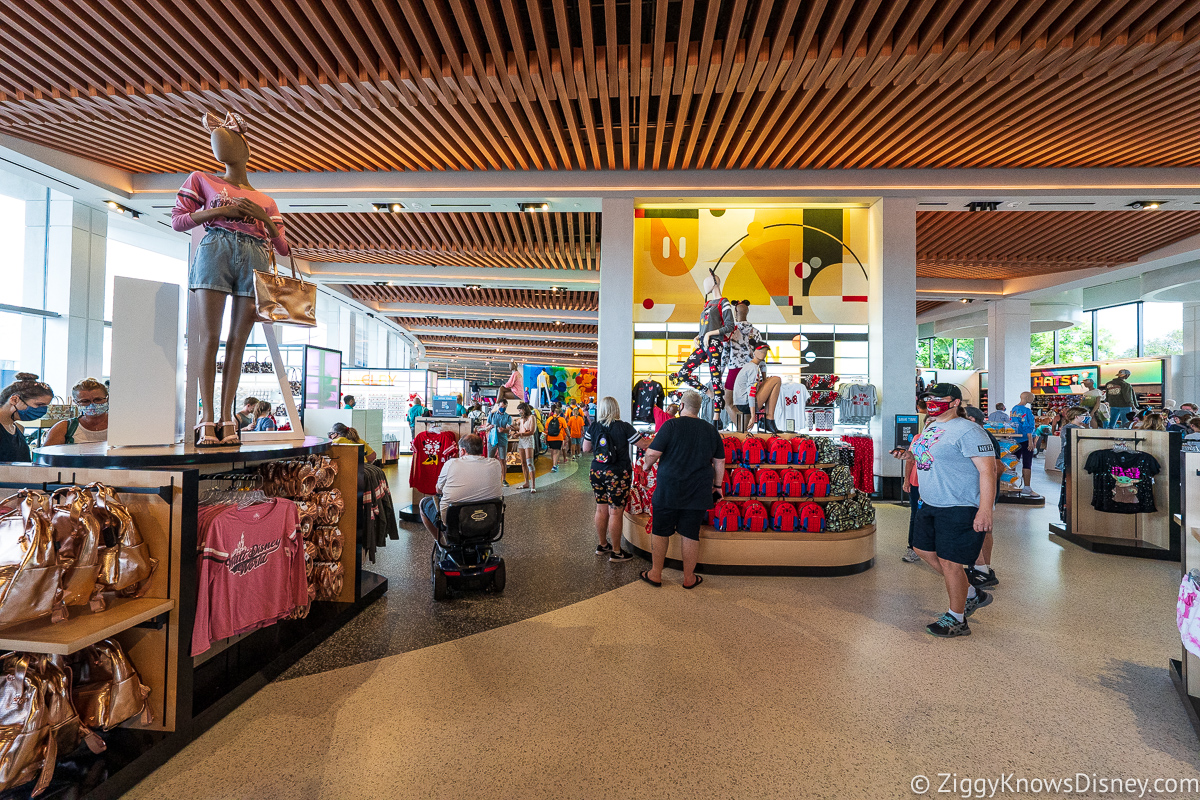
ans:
x=794 y=265
x=566 y=383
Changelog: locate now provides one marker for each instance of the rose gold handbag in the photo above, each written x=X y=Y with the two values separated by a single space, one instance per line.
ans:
x=126 y=564
x=288 y=301
x=108 y=690
x=30 y=573
x=79 y=539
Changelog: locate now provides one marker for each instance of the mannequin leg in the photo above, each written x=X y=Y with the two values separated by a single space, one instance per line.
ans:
x=204 y=332
x=718 y=387
x=241 y=322
x=768 y=395
x=686 y=373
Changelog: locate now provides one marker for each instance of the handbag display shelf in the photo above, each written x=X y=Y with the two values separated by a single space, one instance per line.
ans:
x=1185 y=670
x=1155 y=535
x=768 y=552
x=188 y=695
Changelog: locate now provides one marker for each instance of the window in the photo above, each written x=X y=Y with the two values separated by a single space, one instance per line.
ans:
x=1117 y=332
x=964 y=353
x=1075 y=344
x=940 y=353
x=923 y=352
x=1041 y=349
x=1162 y=329
x=126 y=260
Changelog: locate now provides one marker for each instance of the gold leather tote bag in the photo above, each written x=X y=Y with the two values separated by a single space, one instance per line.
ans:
x=288 y=301
x=30 y=572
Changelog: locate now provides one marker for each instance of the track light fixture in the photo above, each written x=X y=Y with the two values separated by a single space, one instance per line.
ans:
x=393 y=208
x=534 y=206
x=1147 y=205
x=120 y=209
x=982 y=206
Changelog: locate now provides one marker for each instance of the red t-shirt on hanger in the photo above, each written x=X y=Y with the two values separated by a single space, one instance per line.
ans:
x=430 y=452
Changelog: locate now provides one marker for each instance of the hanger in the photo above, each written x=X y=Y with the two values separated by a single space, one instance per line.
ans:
x=1120 y=446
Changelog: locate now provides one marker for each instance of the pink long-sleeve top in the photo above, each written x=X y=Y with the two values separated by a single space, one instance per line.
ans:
x=202 y=191
x=514 y=384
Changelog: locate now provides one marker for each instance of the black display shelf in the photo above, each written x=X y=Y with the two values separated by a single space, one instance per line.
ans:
x=100 y=454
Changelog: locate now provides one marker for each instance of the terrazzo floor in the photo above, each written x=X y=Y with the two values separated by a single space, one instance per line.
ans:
x=582 y=682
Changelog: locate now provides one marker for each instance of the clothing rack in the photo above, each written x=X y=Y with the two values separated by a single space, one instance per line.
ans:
x=165 y=492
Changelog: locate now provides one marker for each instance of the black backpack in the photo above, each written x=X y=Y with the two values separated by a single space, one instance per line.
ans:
x=553 y=427
x=602 y=445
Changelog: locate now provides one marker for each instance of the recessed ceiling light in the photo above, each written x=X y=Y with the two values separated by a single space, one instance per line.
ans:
x=534 y=206
x=393 y=207
x=1146 y=205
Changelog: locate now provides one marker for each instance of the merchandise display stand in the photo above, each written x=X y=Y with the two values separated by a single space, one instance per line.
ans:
x=1156 y=535
x=460 y=426
x=161 y=486
x=1185 y=671
x=770 y=552
x=1011 y=491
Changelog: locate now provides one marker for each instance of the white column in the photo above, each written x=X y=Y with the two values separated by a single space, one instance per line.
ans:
x=72 y=238
x=979 y=356
x=1186 y=388
x=616 y=304
x=893 y=323
x=1008 y=351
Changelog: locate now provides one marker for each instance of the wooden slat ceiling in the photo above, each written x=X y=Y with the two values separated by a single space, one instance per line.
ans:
x=626 y=84
x=542 y=299
x=1014 y=244
x=928 y=305
x=491 y=239
x=535 y=327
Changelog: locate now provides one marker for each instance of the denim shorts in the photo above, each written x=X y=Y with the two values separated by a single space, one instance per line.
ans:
x=225 y=262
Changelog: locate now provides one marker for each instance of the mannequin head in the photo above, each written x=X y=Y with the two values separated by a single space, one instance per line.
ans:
x=712 y=284
x=512 y=365
x=229 y=147
x=742 y=310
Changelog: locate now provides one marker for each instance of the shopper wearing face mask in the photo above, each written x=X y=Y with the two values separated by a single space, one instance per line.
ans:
x=91 y=398
x=956 y=462
x=24 y=400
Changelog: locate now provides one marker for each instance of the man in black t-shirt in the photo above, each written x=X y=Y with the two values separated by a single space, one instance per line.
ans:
x=691 y=472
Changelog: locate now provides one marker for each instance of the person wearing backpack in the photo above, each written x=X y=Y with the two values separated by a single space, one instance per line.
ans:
x=691 y=474
x=556 y=434
x=608 y=440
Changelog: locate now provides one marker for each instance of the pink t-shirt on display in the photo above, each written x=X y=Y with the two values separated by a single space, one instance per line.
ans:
x=204 y=191
x=251 y=571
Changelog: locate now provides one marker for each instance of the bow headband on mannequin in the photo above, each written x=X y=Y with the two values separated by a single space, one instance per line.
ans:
x=233 y=121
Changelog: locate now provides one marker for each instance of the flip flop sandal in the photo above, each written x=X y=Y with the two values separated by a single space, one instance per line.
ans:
x=645 y=575
x=699 y=581
x=207 y=440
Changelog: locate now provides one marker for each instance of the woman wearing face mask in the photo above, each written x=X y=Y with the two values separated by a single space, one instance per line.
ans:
x=91 y=397
x=26 y=399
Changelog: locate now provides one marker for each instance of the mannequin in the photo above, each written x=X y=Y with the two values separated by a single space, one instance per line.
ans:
x=543 y=385
x=716 y=323
x=513 y=388
x=240 y=225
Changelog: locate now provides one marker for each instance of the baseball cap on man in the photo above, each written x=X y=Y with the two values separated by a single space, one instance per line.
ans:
x=949 y=390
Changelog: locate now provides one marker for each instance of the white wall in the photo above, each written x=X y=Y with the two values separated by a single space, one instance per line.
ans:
x=615 y=356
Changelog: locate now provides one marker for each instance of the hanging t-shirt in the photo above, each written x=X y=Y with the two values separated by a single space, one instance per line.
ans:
x=943 y=454
x=790 y=405
x=1122 y=481
x=685 y=471
x=430 y=452
x=250 y=570
x=610 y=445
x=857 y=403
x=647 y=395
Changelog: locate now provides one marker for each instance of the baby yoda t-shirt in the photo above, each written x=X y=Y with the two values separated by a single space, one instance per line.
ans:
x=1122 y=481
x=943 y=452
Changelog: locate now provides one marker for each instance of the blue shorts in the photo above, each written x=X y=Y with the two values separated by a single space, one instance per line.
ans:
x=431 y=512
x=225 y=262
x=577 y=441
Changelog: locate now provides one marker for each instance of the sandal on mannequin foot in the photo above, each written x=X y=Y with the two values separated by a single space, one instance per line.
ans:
x=206 y=439
x=227 y=438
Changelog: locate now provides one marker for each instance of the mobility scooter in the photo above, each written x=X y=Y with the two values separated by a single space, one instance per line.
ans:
x=463 y=555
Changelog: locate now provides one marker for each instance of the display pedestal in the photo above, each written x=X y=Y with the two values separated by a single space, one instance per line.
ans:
x=766 y=552
x=161 y=486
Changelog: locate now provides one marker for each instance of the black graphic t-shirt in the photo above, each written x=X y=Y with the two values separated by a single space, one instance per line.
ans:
x=646 y=395
x=1122 y=481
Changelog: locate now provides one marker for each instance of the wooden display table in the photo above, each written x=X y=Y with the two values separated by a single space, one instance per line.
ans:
x=767 y=552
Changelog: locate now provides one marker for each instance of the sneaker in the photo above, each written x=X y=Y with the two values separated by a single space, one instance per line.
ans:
x=910 y=556
x=947 y=627
x=554 y=469
x=603 y=549
x=981 y=579
x=980 y=600
x=622 y=556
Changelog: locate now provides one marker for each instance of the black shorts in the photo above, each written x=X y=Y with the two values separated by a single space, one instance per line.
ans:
x=745 y=409
x=684 y=521
x=555 y=444
x=1025 y=453
x=949 y=532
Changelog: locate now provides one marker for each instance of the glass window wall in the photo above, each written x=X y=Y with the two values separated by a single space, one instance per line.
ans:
x=1117 y=332
x=1162 y=329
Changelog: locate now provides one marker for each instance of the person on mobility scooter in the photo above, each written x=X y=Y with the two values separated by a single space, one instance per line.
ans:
x=465 y=518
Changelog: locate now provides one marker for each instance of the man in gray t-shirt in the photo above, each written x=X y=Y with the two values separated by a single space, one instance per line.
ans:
x=956 y=468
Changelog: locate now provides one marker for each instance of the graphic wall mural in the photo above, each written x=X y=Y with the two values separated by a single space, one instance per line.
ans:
x=566 y=383
x=794 y=265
